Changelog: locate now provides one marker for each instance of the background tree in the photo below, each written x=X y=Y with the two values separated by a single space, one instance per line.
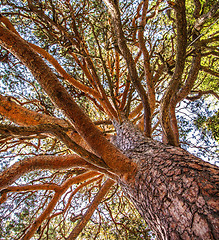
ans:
x=102 y=95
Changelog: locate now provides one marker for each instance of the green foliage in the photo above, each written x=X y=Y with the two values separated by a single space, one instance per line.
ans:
x=210 y=124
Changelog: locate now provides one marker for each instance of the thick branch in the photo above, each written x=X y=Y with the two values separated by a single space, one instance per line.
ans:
x=183 y=92
x=43 y=74
x=176 y=79
x=25 y=117
x=147 y=67
x=192 y=76
x=43 y=162
x=103 y=99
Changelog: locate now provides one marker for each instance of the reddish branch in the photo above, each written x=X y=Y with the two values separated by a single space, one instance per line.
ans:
x=62 y=189
x=118 y=162
x=73 y=194
x=58 y=132
x=43 y=162
x=147 y=67
x=117 y=25
x=25 y=117
x=84 y=50
x=93 y=92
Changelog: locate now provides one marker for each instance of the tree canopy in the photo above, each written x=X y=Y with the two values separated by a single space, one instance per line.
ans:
x=71 y=73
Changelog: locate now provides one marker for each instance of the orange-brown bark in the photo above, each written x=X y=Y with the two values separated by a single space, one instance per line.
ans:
x=174 y=125
x=147 y=67
x=63 y=73
x=124 y=96
x=117 y=72
x=134 y=22
x=101 y=96
x=91 y=67
x=26 y=188
x=119 y=163
x=25 y=117
x=105 y=103
x=136 y=111
x=58 y=132
x=85 y=69
x=43 y=162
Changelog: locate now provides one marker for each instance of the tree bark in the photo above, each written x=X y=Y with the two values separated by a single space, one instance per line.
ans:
x=174 y=191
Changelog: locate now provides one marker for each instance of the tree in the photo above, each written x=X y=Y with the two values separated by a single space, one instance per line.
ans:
x=103 y=67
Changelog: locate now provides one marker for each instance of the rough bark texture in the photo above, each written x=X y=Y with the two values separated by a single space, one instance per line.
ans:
x=175 y=192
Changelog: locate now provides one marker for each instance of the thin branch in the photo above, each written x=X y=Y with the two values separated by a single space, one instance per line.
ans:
x=26 y=188
x=90 y=64
x=110 y=82
x=200 y=94
x=77 y=189
x=211 y=72
x=25 y=117
x=147 y=67
x=60 y=133
x=102 y=98
x=115 y=15
x=55 y=199
x=98 y=198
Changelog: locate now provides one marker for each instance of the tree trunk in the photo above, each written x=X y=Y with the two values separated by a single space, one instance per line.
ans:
x=174 y=191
